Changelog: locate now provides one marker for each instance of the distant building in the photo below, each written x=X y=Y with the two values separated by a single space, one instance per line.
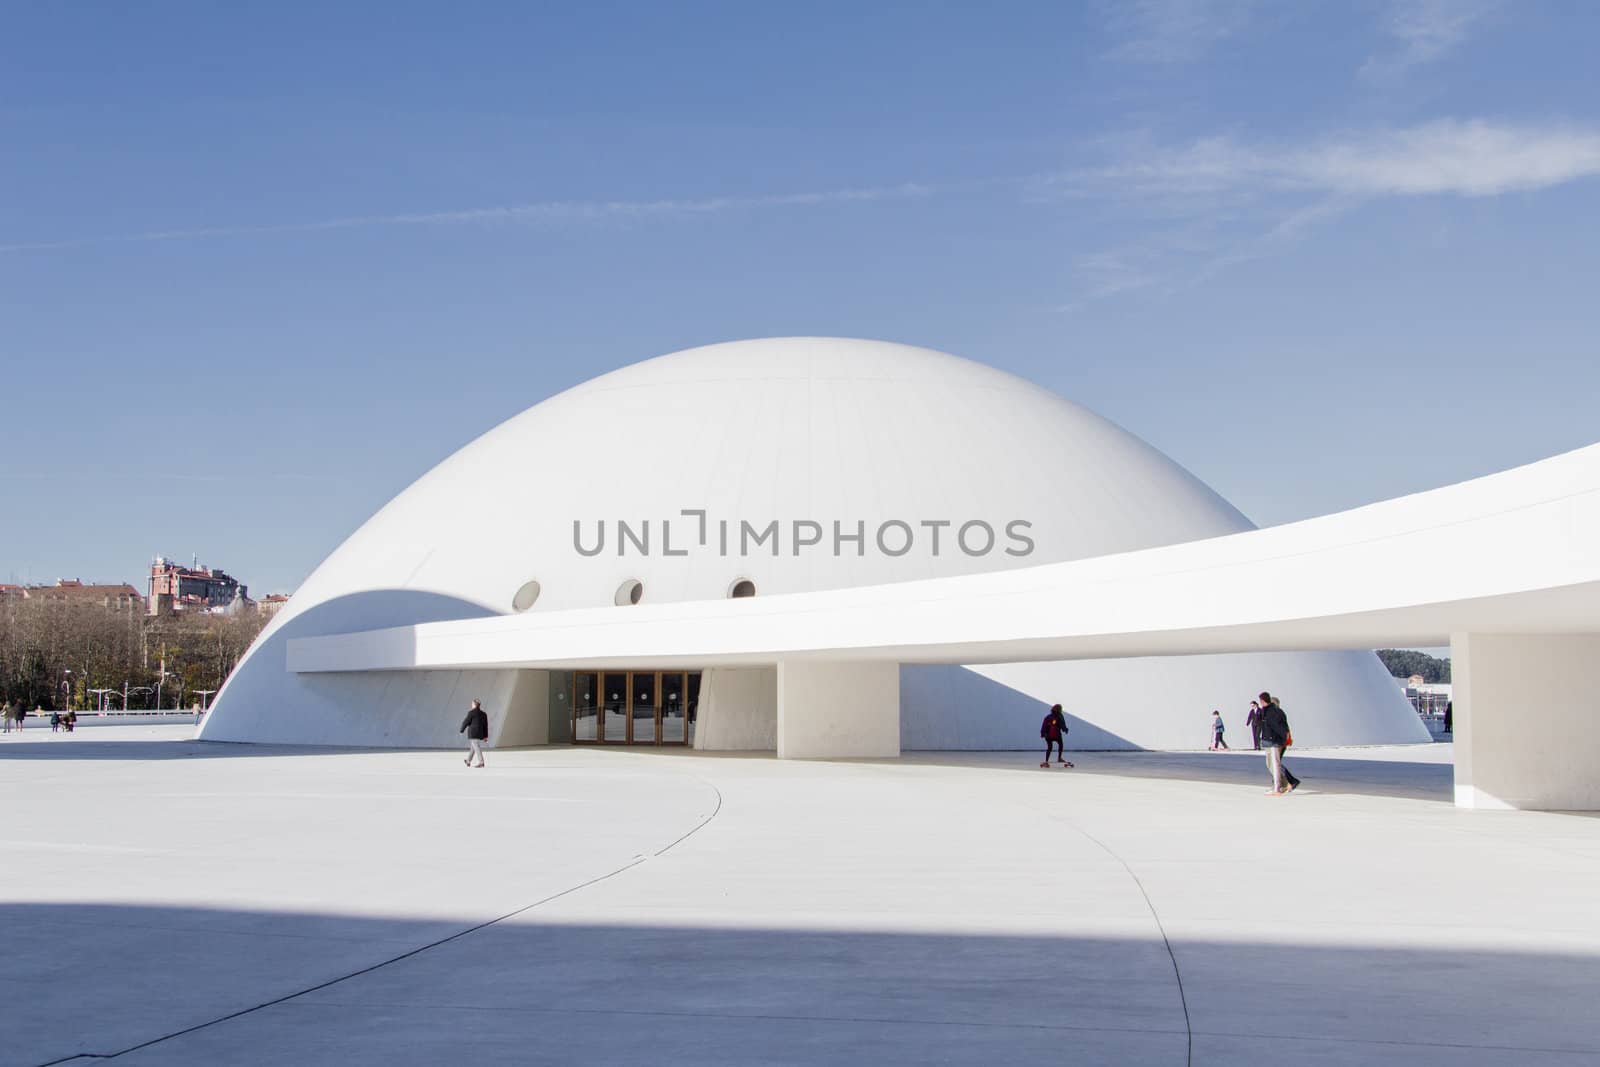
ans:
x=271 y=604
x=1429 y=698
x=118 y=597
x=174 y=587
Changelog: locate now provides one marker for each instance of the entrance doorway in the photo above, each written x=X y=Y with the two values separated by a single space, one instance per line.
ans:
x=623 y=707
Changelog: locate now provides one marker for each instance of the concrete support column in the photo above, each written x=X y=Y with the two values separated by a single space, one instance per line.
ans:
x=1526 y=721
x=838 y=710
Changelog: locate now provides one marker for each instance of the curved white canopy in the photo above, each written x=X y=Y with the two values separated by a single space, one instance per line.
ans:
x=1514 y=552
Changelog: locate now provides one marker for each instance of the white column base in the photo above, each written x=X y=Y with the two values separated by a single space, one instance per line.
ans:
x=838 y=710
x=1525 y=722
x=1472 y=797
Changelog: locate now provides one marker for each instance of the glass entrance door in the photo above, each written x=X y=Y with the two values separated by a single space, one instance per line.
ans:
x=585 y=707
x=643 y=708
x=614 y=708
x=691 y=701
x=634 y=707
x=674 y=725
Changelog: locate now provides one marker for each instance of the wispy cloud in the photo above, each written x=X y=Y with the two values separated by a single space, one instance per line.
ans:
x=1193 y=209
x=1448 y=156
x=1422 y=31
x=1173 y=31
x=1202 y=207
x=541 y=213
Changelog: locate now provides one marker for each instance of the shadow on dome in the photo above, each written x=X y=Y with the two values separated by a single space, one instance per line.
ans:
x=265 y=702
x=948 y=707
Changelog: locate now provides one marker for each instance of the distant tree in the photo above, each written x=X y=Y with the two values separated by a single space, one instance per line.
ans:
x=53 y=651
x=1405 y=662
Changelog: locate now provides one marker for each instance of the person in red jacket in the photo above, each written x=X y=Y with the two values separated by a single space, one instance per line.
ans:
x=1054 y=731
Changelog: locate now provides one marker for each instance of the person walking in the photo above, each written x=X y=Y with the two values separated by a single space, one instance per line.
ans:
x=1054 y=731
x=6 y=715
x=1216 y=731
x=1252 y=719
x=55 y=722
x=476 y=727
x=20 y=713
x=1275 y=737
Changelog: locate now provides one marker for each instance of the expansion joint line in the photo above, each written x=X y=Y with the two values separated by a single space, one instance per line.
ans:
x=402 y=956
x=1183 y=1000
x=1160 y=928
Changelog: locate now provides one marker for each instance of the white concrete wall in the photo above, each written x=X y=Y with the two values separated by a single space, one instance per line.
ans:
x=738 y=710
x=838 y=710
x=525 y=717
x=376 y=709
x=950 y=708
x=1332 y=698
x=1526 y=718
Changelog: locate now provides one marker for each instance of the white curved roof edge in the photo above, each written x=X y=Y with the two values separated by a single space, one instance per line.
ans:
x=1517 y=551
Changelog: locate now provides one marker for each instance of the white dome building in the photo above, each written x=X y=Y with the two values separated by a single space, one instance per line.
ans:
x=760 y=468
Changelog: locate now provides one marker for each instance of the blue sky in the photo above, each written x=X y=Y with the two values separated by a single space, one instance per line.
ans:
x=260 y=268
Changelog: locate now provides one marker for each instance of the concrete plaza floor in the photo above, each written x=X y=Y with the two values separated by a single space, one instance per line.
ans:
x=172 y=902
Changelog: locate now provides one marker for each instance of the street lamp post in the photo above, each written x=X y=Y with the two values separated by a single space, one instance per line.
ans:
x=66 y=689
x=101 y=694
x=203 y=694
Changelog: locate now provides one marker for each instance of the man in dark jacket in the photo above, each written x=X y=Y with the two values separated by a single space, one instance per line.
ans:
x=1253 y=720
x=476 y=727
x=1275 y=738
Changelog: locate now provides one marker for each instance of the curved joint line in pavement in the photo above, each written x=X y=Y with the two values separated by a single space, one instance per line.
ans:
x=636 y=861
x=1183 y=1000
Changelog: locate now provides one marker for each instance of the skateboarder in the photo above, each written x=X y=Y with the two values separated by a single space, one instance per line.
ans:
x=1054 y=731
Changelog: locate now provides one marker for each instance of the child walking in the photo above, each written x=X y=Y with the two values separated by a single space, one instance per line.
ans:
x=1216 y=732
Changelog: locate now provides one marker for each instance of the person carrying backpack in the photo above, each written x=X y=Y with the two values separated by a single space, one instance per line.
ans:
x=1275 y=737
x=1054 y=731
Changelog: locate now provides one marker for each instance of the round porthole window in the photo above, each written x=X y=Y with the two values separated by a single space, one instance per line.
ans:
x=526 y=596
x=742 y=588
x=629 y=592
